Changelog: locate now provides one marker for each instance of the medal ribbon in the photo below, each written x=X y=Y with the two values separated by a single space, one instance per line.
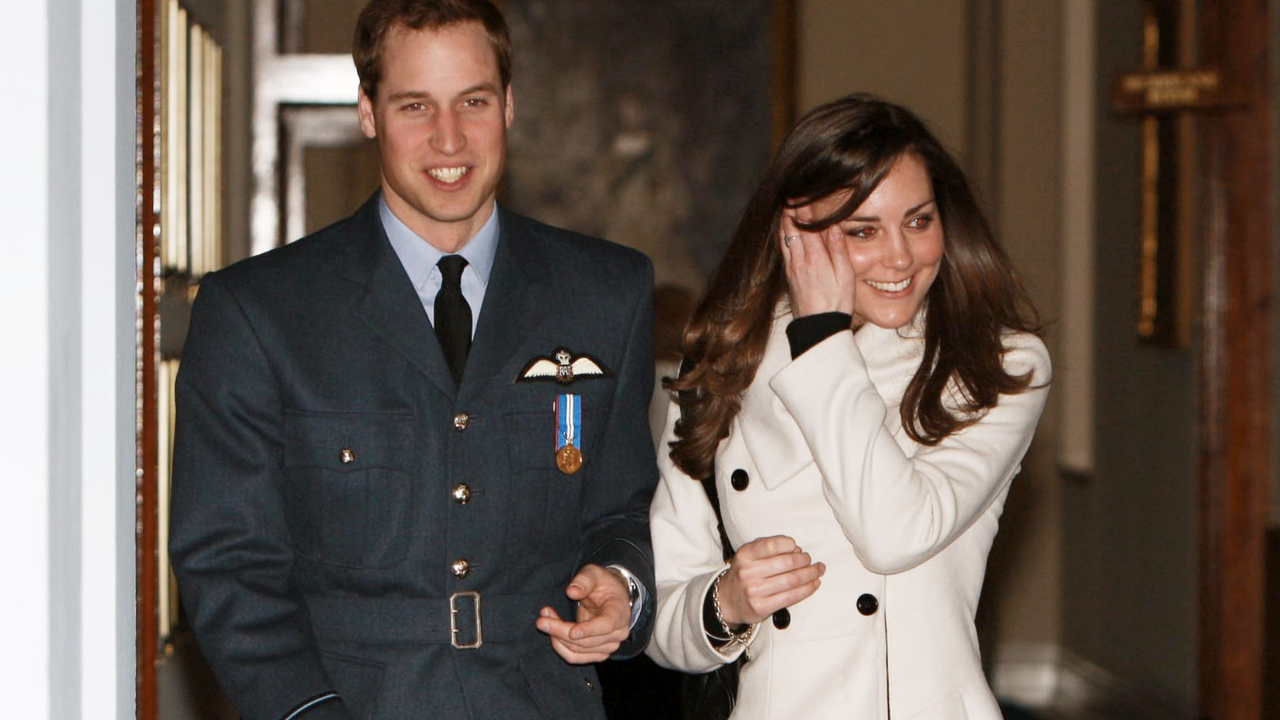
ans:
x=568 y=419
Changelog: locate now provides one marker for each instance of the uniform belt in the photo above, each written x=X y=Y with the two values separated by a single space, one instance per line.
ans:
x=464 y=619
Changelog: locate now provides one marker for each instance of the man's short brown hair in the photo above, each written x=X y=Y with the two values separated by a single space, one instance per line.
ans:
x=380 y=17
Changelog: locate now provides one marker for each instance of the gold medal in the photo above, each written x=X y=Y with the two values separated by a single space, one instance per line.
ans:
x=569 y=459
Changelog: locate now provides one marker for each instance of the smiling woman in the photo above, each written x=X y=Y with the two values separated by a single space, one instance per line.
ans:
x=867 y=376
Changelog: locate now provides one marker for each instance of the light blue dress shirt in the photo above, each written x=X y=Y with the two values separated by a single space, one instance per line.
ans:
x=420 y=259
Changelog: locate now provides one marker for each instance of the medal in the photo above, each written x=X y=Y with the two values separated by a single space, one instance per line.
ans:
x=568 y=408
x=569 y=459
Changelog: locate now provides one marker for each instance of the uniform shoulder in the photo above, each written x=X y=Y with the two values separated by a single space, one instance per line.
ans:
x=584 y=253
x=300 y=259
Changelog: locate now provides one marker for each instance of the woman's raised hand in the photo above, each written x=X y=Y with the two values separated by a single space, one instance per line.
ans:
x=819 y=273
x=766 y=575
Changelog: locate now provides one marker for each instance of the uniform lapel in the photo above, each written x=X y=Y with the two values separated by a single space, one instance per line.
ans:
x=389 y=305
x=515 y=303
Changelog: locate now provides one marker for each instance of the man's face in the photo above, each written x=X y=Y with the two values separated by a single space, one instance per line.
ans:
x=440 y=121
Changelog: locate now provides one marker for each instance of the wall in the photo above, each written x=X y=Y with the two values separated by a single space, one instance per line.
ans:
x=67 y=312
x=1129 y=607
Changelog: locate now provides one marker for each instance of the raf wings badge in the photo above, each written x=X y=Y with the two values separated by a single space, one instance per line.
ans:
x=563 y=368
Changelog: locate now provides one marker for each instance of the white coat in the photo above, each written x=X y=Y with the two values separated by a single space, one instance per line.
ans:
x=904 y=527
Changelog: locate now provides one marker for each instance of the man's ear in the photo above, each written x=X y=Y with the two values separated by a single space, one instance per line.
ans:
x=510 y=110
x=364 y=106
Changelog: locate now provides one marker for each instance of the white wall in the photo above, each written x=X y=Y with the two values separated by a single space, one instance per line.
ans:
x=67 y=316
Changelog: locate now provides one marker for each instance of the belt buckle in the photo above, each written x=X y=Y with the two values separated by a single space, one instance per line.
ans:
x=453 y=620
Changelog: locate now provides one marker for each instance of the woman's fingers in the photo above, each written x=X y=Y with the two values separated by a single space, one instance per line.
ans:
x=819 y=274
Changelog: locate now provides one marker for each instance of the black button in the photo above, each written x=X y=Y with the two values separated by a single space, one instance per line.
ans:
x=782 y=619
x=868 y=604
x=739 y=480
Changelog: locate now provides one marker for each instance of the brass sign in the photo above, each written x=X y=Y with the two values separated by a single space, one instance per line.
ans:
x=1168 y=90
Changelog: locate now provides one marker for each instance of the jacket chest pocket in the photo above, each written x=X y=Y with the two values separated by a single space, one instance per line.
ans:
x=347 y=489
x=542 y=519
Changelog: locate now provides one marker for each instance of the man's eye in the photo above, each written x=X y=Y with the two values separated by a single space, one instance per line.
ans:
x=475 y=102
x=414 y=107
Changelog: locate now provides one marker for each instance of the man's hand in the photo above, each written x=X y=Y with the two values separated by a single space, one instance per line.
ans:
x=604 y=617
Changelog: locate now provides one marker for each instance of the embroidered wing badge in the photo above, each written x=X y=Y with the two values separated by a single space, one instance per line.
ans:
x=562 y=367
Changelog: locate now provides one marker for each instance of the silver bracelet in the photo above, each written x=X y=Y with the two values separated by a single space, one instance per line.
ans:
x=743 y=637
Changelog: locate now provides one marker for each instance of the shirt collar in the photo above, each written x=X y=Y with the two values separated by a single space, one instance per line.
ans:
x=419 y=257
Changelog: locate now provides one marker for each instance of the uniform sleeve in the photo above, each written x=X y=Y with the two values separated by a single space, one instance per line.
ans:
x=615 y=508
x=687 y=556
x=899 y=511
x=230 y=547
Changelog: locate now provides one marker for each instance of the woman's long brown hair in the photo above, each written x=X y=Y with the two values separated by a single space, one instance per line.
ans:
x=850 y=145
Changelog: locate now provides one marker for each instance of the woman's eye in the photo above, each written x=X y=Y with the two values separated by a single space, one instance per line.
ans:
x=920 y=222
x=862 y=233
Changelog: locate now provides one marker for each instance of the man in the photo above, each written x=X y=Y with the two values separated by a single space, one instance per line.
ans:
x=412 y=468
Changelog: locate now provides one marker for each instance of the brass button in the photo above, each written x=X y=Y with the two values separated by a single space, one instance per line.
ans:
x=347 y=456
x=460 y=421
x=461 y=494
x=461 y=568
x=590 y=685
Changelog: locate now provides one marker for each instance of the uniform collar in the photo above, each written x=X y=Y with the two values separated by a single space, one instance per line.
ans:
x=419 y=257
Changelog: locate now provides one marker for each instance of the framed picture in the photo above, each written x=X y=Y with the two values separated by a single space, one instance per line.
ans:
x=647 y=123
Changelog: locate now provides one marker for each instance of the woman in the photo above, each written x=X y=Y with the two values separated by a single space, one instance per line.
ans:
x=867 y=377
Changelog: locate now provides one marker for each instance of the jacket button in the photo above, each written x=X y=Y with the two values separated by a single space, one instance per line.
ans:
x=868 y=604
x=460 y=421
x=739 y=480
x=461 y=494
x=461 y=568
x=782 y=619
x=347 y=456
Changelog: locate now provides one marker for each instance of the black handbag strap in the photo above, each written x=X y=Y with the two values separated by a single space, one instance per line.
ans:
x=708 y=482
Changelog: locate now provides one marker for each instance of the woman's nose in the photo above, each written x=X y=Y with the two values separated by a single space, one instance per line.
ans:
x=898 y=256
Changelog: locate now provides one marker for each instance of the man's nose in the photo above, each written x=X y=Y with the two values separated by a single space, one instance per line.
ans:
x=448 y=137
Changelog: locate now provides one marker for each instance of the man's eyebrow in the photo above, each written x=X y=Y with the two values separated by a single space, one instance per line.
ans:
x=485 y=87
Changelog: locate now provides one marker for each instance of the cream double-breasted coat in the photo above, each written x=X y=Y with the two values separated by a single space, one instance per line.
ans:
x=904 y=530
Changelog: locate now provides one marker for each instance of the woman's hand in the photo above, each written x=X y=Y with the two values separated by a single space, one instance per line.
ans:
x=766 y=575
x=819 y=273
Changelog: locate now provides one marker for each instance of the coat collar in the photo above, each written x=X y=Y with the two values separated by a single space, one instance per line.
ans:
x=770 y=433
x=388 y=304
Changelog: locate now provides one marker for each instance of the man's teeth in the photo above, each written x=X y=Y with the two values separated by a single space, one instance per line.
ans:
x=449 y=175
x=891 y=287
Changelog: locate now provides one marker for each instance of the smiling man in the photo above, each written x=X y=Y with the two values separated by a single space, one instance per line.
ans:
x=412 y=468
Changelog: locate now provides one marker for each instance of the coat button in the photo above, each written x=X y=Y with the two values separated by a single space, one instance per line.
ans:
x=460 y=421
x=461 y=568
x=461 y=494
x=347 y=456
x=590 y=685
x=868 y=604
x=782 y=619
x=739 y=480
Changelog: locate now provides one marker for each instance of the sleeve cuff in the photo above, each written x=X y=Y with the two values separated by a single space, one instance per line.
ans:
x=805 y=332
x=637 y=593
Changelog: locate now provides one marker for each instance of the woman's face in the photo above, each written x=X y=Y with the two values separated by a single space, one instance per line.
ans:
x=895 y=241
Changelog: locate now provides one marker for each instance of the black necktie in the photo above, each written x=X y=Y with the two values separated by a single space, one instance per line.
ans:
x=453 y=315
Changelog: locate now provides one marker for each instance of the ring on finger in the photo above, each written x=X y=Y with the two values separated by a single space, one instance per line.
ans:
x=787 y=240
